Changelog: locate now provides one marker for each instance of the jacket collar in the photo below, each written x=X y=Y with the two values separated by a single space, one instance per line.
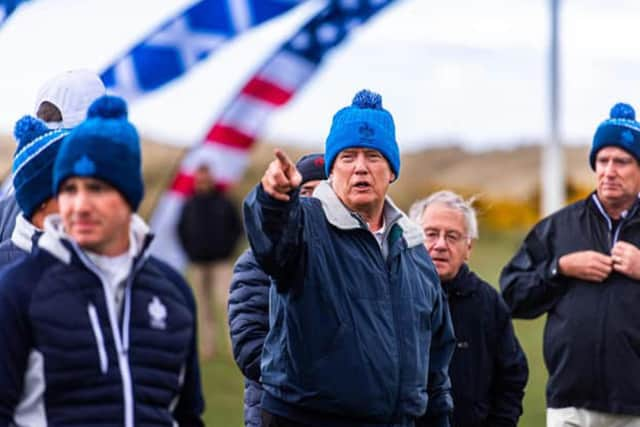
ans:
x=339 y=216
x=23 y=233
x=593 y=198
x=55 y=241
x=461 y=285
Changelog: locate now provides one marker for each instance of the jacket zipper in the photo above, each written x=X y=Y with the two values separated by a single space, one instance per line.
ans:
x=386 y=264
x=97 y=332
x=120 y=343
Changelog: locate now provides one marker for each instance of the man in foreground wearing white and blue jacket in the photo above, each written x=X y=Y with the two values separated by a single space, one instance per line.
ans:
x=360 y=331
x=94 y=331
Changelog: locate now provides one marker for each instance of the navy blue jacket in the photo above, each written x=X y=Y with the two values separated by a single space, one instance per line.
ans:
x=489 y=369
x=248 y=326
x=20 y=243
x=356 y=338
x=68 y=359
x=592 y=335
x=9 y=210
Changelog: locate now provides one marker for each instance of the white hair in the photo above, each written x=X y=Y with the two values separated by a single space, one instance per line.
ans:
x=450 y=200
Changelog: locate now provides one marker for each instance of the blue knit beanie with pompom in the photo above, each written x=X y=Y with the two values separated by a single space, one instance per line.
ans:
x=32 y=168
x=620 y=130
x=105 y=146
x=363 y=124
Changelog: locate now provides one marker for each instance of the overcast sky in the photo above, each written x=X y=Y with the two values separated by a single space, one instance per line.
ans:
x=464 y=71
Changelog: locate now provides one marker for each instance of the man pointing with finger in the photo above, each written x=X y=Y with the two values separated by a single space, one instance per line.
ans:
x=360 y=333
x=581 y=266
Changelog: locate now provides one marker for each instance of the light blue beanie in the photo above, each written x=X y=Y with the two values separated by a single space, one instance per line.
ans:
x=363 y=124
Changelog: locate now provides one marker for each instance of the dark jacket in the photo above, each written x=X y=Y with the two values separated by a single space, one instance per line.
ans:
x=209 y=227
x=356 y=338
x=67 y=352
x=248 y=326
x=592 y=335
x=21 y=242
x=489 y=369
x=9 y=210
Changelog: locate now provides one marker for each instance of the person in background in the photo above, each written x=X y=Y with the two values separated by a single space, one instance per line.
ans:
x=488 y=369
x=360 y=332
x=94 y=330
x=581 y=267
x=32 y=182
x=249 y=304
x=208 y=228
x=62 y=103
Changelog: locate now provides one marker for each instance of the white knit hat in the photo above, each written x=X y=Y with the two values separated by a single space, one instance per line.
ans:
x=71 y=92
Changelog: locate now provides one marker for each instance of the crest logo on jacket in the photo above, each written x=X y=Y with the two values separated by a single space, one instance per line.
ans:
x=157 y=314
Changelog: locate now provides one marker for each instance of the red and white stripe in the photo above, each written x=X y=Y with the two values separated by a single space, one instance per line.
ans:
x=225 y=148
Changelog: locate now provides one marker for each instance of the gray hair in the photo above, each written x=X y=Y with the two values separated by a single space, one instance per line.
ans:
x=450 y=200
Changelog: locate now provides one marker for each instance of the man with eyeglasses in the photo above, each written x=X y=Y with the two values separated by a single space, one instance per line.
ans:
x=489 y=369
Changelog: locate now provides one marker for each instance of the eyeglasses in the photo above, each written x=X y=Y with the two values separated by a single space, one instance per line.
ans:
x=451 y=237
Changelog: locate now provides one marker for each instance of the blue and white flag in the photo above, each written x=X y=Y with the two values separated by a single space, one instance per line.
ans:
x=184 y=40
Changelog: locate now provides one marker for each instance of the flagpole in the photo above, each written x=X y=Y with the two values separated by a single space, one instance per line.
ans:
x=552 y=165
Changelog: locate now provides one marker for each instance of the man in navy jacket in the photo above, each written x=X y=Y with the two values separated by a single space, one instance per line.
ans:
x=360 y=331
x=94 y=331
x=581 y=267
x=489 y=369
x=249 y=304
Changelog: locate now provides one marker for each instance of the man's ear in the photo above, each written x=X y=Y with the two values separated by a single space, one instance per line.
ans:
x=393 y=177
x=470 y=247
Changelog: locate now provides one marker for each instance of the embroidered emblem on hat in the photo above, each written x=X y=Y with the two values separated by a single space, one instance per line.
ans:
x=319 y=161
x=366 y=131
x=84 y=166
x=627 y=137
x=157 y=314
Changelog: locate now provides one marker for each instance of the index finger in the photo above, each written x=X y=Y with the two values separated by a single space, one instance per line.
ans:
x=282 y=157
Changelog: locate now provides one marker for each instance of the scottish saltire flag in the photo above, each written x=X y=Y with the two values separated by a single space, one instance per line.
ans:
x=225 y=148
x=184 y=40
x=7 y=7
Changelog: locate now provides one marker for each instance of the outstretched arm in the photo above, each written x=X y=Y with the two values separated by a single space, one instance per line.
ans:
x=273 y=220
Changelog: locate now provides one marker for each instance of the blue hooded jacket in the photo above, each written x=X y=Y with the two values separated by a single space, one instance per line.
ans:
x=356 y=338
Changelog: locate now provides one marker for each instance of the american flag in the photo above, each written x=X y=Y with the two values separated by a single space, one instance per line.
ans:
x=184 y=40
x=225 y=148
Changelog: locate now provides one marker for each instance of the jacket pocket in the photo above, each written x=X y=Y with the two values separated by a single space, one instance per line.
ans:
x=97 y=332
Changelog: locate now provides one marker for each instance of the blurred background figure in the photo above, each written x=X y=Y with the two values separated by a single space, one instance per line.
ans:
x=209 y=228
x=489 y=369
x=62 y=103
x=249 y=304
x=32 y=173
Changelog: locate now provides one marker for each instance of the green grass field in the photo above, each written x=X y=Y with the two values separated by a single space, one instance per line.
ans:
x=222 y=380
